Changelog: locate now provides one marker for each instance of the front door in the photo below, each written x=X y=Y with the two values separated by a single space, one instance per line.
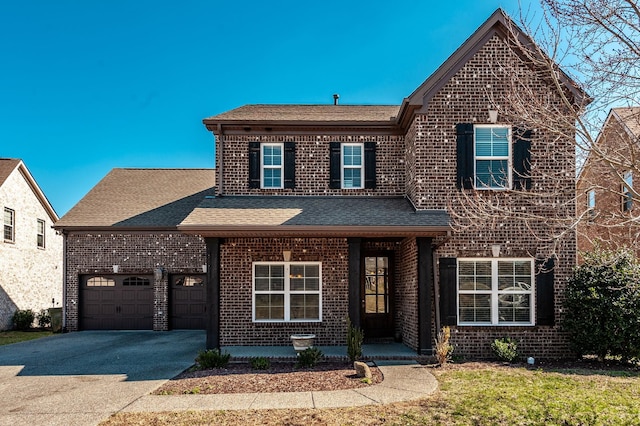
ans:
x=377 y=291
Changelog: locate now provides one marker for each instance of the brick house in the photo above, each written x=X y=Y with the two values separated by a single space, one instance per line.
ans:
x=323 y=212
x=606 y=205
x=31 y=252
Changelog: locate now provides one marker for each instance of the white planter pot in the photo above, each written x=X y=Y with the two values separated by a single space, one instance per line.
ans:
x=302 y=341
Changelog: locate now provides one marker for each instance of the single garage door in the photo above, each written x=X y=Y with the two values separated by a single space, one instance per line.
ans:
x=116 y=302
x=188 y=302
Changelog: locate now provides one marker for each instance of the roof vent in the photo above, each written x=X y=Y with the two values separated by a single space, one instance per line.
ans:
x=335 y=98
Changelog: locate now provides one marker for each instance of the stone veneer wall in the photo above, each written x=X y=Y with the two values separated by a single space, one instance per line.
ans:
x=312 y=164
x=135 y=253
x=30 y=277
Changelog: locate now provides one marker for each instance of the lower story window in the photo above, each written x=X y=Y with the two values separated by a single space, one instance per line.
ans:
x=287 y=291
x=495 y=292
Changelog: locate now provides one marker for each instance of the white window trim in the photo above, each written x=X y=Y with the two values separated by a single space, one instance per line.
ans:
x=591 y=199
x=287 y=292
x=508 y=157
x=264 y=167
x=44 y=233
x=494 y=292
x=12 y=225
x=626 y=191
x=343 y=167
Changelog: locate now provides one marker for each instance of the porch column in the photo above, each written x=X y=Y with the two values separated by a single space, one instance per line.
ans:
x=355 y=298
x=425 y=290
x=213 y=292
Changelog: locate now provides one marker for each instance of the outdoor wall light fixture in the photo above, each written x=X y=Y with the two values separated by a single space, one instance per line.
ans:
x=116 y=268
x=493 y=115
x=286 y=255
x=157 y=274
x=495 y=250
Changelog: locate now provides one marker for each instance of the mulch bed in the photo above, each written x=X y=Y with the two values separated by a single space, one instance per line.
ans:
x=280 y=377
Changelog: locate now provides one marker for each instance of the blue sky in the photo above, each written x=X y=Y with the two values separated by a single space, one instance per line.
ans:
x=86 y=86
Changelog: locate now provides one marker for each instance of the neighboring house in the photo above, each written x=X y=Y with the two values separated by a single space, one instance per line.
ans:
x=605 y=202
x=323 y=212
x=31 y=251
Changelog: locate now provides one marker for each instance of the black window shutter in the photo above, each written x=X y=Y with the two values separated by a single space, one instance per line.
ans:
x=448 y=270
x=254 y=164
x=521 y=159
x=545 y=312
x=464 y=155
x=289 y=165
x=335 y=177
x=369 y=165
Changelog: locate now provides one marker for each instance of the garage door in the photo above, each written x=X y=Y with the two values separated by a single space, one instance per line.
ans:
x=188 y=302
x=116 y=302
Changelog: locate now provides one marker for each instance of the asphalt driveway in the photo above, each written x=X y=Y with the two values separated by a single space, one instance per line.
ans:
x=82 y=378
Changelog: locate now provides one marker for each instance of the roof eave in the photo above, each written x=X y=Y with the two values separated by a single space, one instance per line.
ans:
x=113 y=229
x=313 y=231
x=217 y=126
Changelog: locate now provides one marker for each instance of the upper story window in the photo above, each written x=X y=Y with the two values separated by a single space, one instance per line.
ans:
x=492 y=153
x=493 y=157
x=287 y=291
x=591 y=203
x=9 y=225
x=271 y=165
x=352 y=165
x=495 y=291
x=41 y=233
x=627 y=197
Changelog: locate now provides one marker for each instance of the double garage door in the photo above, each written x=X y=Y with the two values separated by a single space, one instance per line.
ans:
x=125 y=302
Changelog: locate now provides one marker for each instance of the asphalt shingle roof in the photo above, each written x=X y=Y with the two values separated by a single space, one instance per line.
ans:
x=270 y=211
x=154 y=198
x=309 y=113
x=631 y=118
x=7 y=165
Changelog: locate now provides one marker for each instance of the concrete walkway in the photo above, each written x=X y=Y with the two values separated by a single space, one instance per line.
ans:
x=403 y=381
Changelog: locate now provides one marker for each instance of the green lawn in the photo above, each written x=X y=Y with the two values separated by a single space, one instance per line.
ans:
x=8 y=337
x=469 y=394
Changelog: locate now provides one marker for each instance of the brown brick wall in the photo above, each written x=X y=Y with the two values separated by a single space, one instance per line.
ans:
x=466 y=99
x=407 y=292
x=237 y=255
x=135 y=253
x=610 y=226
x=312 y=164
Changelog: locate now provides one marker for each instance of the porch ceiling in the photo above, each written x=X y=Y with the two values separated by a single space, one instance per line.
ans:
x=313 y=216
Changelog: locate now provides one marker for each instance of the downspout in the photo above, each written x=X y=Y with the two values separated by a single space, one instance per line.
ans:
x=219 y=152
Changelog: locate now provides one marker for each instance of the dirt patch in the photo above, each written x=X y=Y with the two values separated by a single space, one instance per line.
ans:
x=280 y=377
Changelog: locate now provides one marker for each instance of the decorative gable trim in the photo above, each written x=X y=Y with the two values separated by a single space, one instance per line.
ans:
x=497 y=24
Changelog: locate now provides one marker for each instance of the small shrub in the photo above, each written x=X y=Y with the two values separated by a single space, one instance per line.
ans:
x=260 y=363
x=212 y=358
x=355 y=337
x=444 y=349
x=506 y=349
x=43 y=318
x=309 y=358
x=23 y=319
x=365 y=380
